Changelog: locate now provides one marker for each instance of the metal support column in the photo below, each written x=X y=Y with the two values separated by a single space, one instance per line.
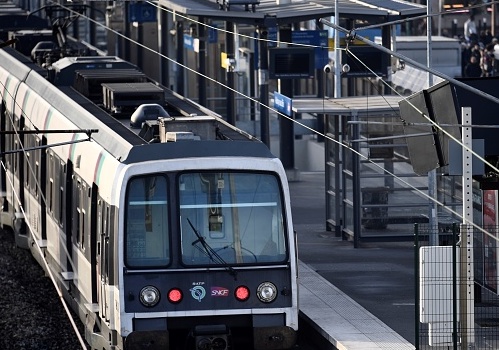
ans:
x=263 y=82
x=162 y=46
x=286 y=126
x=467 y=292
x=202 y=63
x=231 y=101
x=356 y=192
x=126 y=43
x=180 y=57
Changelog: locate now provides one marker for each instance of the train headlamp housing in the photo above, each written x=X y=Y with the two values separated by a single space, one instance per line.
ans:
x=242 y=293
x=266 y=292
x=175 y=296
x=149 y=296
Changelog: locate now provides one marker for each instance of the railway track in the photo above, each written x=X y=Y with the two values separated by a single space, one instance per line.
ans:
x=32 y=316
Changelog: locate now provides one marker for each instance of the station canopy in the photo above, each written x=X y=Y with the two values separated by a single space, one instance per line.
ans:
x=350 y=106
x=268 y=12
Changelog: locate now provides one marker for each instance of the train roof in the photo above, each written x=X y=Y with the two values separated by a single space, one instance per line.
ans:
x=174 y=150
x=105 y=93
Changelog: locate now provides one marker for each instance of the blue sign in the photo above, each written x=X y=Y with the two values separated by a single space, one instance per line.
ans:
x=142 y=12
x=188 y=42
x=283 y=104
x=212 y=35
x=317 y=38
x=191 y=43
x=272 y=35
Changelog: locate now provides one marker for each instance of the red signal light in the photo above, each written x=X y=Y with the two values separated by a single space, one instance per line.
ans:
x=175 y=295
x=242 y=293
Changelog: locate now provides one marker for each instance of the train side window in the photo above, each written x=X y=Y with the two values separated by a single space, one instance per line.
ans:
x=105 y=232
x=28 y=168
x=82 y=230
x=147 y=242
x=77 y=212
x=51 y=194
x=35 y=183
x=61 y=204
x=50 y=182
x=84 y=205
x=36 y=174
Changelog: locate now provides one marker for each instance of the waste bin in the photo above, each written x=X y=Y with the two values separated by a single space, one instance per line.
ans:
x=375 y=215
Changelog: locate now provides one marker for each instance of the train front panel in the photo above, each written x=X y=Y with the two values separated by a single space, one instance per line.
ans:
x=207 y=255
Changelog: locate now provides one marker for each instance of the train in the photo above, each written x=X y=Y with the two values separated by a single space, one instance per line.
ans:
x=164 y=226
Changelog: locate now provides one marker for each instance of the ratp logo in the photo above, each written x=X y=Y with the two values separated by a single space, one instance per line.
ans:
x=198 y=293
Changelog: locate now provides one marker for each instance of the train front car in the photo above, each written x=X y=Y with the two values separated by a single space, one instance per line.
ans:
x=206 y=249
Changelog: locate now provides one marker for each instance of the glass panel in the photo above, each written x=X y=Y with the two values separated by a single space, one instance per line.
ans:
x=331 y=176
x=147 y=233
x=348 y=223
x=331 y=198
x=232 y=218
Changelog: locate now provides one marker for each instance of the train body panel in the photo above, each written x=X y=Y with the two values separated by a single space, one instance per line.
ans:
x=171 y=229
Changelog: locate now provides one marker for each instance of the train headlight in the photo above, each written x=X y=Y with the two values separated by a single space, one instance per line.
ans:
x=266 y=292
x=149 y=296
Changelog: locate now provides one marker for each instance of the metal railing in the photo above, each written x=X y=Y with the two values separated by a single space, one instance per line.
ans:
x=456 y=284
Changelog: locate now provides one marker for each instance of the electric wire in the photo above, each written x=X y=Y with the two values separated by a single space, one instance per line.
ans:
x=46 y=265
x=252 y=99
x=289 y=118
x=421 y=192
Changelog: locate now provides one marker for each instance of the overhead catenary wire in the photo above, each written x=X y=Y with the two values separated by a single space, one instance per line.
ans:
x=261 y=104
x=296 y=121
x=439 y=127
x=433 y=123
x=47 y=268
x=44 y=199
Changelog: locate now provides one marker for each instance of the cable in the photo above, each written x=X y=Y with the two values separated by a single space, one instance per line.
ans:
x=352 y=36
x=280 y=114
x=47 y=267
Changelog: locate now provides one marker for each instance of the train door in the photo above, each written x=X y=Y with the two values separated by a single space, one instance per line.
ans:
x=41 y=175
x=93 y=241
x=34 y=184
x=67 y=205
x=4 y=206
x=17 y=192
x=102 y=259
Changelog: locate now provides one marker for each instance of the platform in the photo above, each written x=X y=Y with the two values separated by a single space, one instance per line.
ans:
x=356 y=299
x=340 y=319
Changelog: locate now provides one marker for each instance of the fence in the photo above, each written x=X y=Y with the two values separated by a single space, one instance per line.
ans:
x=457 y=301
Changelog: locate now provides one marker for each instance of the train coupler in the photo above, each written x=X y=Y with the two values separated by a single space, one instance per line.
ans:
x=211 y=337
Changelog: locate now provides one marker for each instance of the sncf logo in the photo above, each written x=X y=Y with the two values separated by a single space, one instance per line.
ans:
x=219 y=292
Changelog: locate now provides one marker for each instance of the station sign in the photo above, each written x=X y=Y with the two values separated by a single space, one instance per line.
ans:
x=191 y=43
x=142 y=12
x=283 y=104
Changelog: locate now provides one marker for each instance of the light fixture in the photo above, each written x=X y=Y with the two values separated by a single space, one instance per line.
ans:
x=175 y=295
x=266 y=292
x=149 y=296
x=173 y=30
x=242 y=293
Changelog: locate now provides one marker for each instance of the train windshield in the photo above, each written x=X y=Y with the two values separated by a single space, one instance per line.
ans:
x=231 y=218
x=147 y=232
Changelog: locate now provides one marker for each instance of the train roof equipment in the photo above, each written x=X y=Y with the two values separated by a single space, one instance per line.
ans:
x=135 y=115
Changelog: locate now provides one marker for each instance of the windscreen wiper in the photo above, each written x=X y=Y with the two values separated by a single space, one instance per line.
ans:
x=210 y=252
